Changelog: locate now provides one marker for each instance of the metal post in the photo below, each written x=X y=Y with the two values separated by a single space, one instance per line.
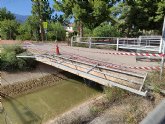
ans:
x=46 y=34
x=160 y=47
x=71 y=41
x=162 y=60
x=90 y=43
x=163 y=45
x=117 y=45
x=139 y=41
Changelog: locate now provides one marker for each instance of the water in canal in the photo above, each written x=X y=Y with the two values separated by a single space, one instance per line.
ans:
x=42 y=105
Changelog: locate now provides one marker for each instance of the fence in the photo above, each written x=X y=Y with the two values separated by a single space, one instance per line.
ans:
x=91 y=42
x=146 y=43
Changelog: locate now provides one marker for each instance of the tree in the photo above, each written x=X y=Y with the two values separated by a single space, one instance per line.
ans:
x=137 y=15
x=106 y=30
x=160 y=13
x=91 y=13
x=9 y=29
x=56 y=31
x=30 y=29
x=42 y=11
x=8 y=25
x=60 y=18
x=6 y=15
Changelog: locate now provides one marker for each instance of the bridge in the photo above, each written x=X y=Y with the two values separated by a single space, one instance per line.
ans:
x=104 y=73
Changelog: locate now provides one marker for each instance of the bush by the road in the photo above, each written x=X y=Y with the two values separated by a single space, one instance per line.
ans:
x=9 y=61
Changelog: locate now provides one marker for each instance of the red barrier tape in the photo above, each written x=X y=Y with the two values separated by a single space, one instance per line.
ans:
x=125 y=53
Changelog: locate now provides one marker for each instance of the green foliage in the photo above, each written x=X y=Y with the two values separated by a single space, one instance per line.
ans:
x=6 y=15
x=133 y=17
x=41 y=9
x=30 y=29
x=56 y=30
x=90 y=12
x=24 y=33
x=60 y=18
x=9 y=61
x=106 y=30
x=9 y=29
x=160 y=11
x=153 y=79
x=87 y=32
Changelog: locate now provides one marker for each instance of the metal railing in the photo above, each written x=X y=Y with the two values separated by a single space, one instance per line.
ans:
x=92 y=42
x=148 y=43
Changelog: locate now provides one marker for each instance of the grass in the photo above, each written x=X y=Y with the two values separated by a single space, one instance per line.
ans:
x=154 y=80
x=114 y=93
x=134 y=114
x=40 y=106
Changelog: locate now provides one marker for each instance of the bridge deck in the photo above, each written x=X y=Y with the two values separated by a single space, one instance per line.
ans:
x=129 y=81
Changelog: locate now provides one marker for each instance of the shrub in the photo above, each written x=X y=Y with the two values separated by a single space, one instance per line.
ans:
x=9 y=61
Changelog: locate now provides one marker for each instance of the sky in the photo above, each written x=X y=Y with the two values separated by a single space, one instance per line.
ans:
x=21 y=7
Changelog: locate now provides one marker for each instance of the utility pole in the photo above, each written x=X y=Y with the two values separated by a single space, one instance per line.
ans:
x=163 y=49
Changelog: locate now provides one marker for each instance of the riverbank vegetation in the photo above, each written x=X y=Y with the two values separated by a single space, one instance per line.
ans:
x=156 y=82
x=9 y=61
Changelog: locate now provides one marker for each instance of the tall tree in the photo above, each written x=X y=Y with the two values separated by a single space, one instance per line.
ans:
x=6 y=15
x=91 y=13
x=8 y=29
x=41 y=10
x=60 y=18
x=8 y=25
x=30 y=29
x=141 y=15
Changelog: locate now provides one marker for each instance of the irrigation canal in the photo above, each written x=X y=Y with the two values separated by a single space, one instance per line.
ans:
x=40 y=106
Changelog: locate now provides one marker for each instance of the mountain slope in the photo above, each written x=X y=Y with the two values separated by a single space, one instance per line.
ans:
x=21 y=18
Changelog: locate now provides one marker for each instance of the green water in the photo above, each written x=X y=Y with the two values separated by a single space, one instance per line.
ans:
x=40 y=106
